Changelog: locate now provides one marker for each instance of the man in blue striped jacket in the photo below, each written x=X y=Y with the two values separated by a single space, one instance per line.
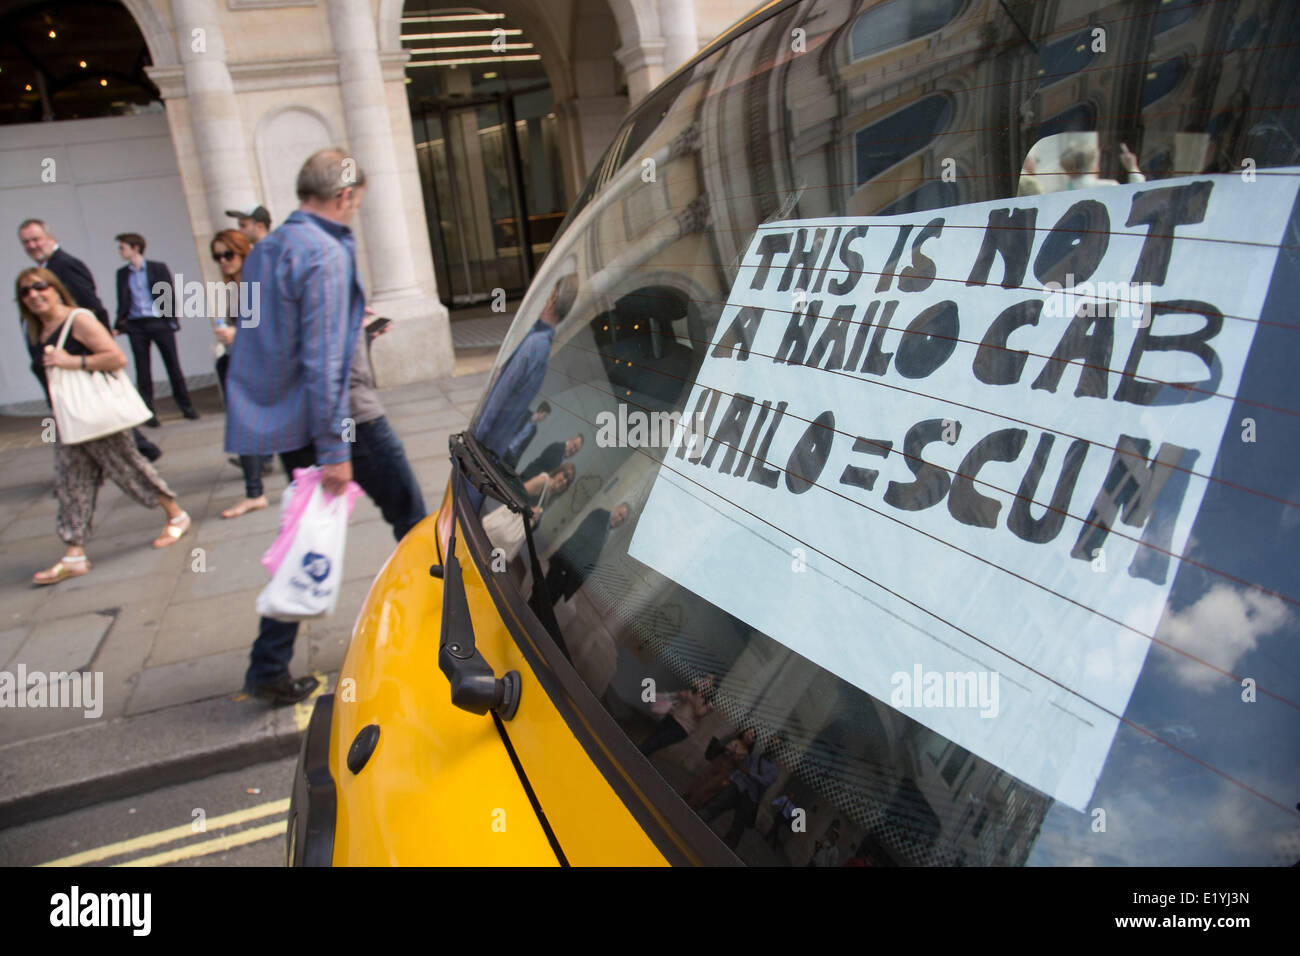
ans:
x=287 y=386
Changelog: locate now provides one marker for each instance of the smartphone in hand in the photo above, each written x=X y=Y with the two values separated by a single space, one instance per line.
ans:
x=377 y=327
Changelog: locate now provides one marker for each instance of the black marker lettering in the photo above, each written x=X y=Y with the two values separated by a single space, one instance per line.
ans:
x=994 y=363
x=1137 y=392
x=1019 y=519
x=928 y=340
x=809 y=456
x=965 y=503
x=1164 y=210
x=920 y=274
x=931 y=482
x=803 y=258
x=1075 y=246
x=1078 y=343
x=1010 y=233
x=760 y=473
x=853 y=263
x=865 y=477
x=768 y=247
x=887 y=274
x=739 y=335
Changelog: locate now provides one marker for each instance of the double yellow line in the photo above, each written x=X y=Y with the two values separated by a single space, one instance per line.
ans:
x=191 y=850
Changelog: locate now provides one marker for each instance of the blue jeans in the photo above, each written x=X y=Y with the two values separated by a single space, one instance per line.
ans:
x=380 y=467
x=250 y=465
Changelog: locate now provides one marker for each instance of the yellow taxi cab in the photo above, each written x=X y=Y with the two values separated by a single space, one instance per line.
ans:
x=892 y=463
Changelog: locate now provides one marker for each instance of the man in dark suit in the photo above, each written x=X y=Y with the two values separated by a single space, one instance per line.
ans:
x=72 y=272
x=553 y=456
x=136 y=317
x=576 y=558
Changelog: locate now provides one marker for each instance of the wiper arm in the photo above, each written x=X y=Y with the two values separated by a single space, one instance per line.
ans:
x=497 y=480
x=474 y=685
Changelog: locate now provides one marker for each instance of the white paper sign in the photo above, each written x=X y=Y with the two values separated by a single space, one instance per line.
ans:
x=953 y=456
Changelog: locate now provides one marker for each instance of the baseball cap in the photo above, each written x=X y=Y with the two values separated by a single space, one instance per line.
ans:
x=259 y=214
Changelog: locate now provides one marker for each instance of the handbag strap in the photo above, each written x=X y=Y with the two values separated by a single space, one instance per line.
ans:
x=67 y=325
x=541 y=499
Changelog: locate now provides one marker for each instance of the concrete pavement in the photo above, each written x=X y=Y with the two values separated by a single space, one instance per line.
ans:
x=170 y=630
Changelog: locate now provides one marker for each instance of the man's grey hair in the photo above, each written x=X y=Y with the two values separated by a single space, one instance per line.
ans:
x=34 y=222
x=327 y=173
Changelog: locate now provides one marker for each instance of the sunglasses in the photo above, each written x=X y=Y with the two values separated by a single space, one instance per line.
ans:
x=222 y=256
x=37 y=286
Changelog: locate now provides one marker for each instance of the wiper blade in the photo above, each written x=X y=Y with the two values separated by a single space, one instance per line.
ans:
x=478 y=465
x=486 y=472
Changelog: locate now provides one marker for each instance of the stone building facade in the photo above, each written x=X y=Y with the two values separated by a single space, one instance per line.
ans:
x=251 y=87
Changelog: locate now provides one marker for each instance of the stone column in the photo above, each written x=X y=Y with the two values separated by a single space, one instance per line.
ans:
x=214 y=112
x=370 y=140
x=419 y=346
x=677 y=21
x=643 y=65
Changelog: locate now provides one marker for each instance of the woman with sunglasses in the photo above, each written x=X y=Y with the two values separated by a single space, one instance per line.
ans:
x=79 y=470
x=229 y=247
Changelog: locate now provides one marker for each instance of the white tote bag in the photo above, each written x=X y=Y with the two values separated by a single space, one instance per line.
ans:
x=505 y=529
x=306 y=583
x=89 y=405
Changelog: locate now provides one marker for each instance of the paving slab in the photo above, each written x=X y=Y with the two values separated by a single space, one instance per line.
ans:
x=10 y=640
x=213 y=675
x=234 y=564
x=66 y=644
x=194 y=629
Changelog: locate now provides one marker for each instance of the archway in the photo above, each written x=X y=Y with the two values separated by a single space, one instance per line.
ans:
x=512 y=103
x=80 y=60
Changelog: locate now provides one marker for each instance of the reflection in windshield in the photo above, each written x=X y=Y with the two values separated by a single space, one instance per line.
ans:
x=505 y=419
x=789 y=761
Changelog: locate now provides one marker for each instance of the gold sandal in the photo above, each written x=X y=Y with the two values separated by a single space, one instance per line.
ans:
x=67 y=568
x=175 y=530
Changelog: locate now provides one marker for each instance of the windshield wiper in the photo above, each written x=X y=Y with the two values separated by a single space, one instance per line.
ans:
x=474 y=685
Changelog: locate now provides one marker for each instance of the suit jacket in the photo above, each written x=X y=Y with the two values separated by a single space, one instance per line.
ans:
x=581 y=550
x=155 y=272
x=72 y=272
x=552 y=457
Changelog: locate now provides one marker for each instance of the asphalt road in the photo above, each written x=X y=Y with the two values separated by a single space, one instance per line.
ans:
x=230 y=819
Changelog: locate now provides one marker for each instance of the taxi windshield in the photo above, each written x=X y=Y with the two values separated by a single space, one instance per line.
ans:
x=907 y=413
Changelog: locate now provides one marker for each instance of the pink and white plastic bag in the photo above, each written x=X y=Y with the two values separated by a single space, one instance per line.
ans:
x=306 y=559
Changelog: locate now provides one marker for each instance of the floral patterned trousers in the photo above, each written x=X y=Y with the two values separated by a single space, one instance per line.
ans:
x=79 y=470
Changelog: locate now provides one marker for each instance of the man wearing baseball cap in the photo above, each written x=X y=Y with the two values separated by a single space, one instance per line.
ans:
x=254 y=225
